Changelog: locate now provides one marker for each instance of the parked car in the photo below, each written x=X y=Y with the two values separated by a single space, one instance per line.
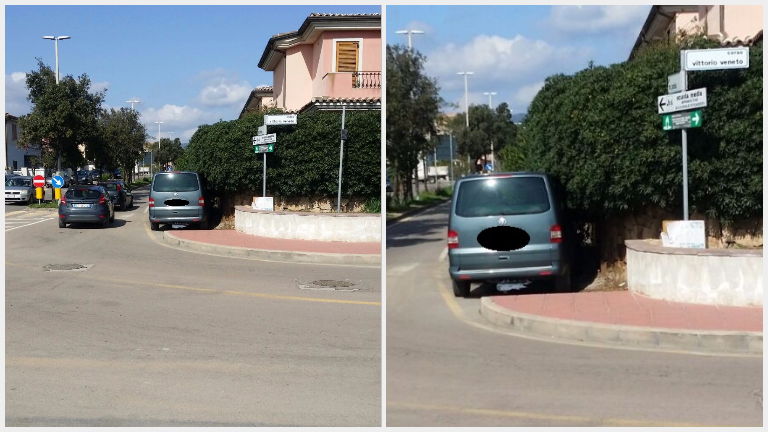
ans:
x=507 y=229
x=93 y=176
x=82 y=177
x=177 y=198
x=83 y=203
x=121 y=195
x=19 y=189
x=64 y=176
x=118 y=173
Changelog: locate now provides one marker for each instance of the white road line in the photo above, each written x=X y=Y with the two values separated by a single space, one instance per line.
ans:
x=443 y=255
x=146 y=210
x=22 y=226
x=401 y=270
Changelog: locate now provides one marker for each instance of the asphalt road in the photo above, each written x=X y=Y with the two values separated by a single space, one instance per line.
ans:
x=147 y=335
x=447 y=366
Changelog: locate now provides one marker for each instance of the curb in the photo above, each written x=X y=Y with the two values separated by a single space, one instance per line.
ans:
x=721 y=342
x=273 y=255
x=413 y=212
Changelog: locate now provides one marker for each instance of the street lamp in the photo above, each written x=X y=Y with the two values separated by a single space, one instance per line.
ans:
x=158 y=133
x=409 y=33
x=132 y=102
x=170 y=135
x=466 y=93
x=57 y=39
x=490 y=105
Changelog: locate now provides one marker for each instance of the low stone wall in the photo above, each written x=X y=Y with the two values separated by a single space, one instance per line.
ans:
x=315 y=204
x=344 y=227
x=727 y=277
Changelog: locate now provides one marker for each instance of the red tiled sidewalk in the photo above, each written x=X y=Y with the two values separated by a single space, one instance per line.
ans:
x=628 y=309
x=234 y=238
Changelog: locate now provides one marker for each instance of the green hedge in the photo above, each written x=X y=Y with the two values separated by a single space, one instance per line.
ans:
x=306 y=157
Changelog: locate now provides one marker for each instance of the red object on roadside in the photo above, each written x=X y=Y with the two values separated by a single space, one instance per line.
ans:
x=38 y=181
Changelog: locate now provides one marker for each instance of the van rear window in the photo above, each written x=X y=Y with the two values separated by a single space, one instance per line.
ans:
x=175 y=182
x=495 y=196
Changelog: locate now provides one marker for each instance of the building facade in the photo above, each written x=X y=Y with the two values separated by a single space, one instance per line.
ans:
x=15 y=157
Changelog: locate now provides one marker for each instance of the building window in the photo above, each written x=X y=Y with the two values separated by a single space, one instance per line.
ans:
x=13 y=126
x=347 y=56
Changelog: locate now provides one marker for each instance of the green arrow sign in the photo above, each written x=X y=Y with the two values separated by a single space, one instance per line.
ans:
x=267 y=148
x=681 y=120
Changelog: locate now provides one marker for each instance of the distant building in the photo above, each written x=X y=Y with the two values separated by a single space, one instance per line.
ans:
x=16 y=158
x=332 y=60
x=259 y=99
x=729 y=24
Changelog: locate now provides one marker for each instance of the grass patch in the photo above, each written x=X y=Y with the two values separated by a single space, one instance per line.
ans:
x=47 y=204
x=425 y=199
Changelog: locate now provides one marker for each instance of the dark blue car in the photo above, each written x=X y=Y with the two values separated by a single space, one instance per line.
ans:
x=89 y=204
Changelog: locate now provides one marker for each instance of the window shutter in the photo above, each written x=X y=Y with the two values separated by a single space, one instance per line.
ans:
x=346 y=56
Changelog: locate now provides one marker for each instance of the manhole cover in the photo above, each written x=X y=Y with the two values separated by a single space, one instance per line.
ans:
x=333 y=283
x=67 y=267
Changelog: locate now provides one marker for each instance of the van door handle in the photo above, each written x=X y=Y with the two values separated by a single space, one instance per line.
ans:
x=503 y=257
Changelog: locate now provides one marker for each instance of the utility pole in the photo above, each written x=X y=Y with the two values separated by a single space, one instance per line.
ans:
x=490 y=105
x=57 y=39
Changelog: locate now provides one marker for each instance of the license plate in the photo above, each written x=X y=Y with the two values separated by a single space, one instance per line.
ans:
x=9 y=195
x=81 y=205
x=178 y=225
x=505 y=286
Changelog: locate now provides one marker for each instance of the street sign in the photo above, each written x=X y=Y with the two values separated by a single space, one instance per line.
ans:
x=262 y=130
x=683 y=120
x=682 y=101
x=57 y=181
x=268 y=148
x=265 y=139
x=715 y=59
x=675 y=83
x=282 y=119
x=38 y=181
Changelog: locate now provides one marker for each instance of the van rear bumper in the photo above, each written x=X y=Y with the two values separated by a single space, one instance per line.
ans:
x=522 y=273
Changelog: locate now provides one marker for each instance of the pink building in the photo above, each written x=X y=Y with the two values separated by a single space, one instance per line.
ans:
x=333 y=60
x=731 y=25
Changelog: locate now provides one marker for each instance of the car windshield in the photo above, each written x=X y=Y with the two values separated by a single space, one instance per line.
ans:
x=83 y=193
x=502 y=196
x=175 y=182
x=18 y=182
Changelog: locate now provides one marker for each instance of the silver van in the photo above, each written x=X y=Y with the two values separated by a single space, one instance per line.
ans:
x=507 y=229
x=177 y=198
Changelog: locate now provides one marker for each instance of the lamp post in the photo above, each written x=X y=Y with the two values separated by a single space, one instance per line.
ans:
x=490 y=105
x=466 y=93
x=409 y=33
x=132 y=102
x=158 y=134
x=56 y=39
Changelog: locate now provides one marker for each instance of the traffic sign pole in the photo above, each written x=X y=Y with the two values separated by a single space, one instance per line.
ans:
x=684 y=79
x=341 y=156
x=264 y=182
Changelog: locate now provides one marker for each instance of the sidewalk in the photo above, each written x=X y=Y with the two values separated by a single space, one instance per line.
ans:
x=237 y=244
x=629 y=319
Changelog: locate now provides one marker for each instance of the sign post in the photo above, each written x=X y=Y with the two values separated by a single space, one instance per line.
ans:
x=57 y=181
x=38 y=181
x=341 y=155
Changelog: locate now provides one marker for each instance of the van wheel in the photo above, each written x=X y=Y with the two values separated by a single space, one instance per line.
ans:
x=155 y=226
x=460 y=288
x=204 y=225
x=563 y=283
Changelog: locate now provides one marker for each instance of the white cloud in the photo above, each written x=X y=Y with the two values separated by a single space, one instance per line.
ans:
x=525 y=94
x=495 y=59
x=222 y=88
x=182 y=120
x=597 y=19
x=100 y=86
x=16 y=92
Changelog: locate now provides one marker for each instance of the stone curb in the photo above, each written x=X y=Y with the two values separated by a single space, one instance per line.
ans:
x=273 y=255
x=627 y=336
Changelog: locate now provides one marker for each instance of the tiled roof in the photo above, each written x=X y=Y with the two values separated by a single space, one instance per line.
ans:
x=742 y=41
x=263 y=89
x=342 y=101
x=343 y=15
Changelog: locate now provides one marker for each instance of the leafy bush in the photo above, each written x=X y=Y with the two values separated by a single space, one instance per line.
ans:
x=373 y=205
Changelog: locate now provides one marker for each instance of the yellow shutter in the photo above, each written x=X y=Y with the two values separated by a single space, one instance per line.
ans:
x=346 y=56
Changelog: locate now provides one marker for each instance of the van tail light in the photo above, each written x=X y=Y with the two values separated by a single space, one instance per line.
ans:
x=201 y=201
x=102 y=199
x=555 y=234
x=453 y=239
x=151 y=202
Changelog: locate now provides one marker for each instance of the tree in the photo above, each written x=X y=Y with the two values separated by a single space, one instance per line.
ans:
x=168 y=151
x=413 y=103
x=486 y=125
x=63 y=116
x=122 y=138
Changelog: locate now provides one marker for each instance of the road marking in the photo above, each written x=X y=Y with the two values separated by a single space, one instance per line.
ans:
x=146 y=209
x=458 y=313
x=443 y=255
x=401 y=270
x=14 y=213
x=236 y=293
x=537 y=416
x=22 y=226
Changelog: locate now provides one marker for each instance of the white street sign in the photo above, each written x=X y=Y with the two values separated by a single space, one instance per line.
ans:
x=682 y=101
x=282 y=119
x=262 y=130
x=265 y=139
x=714 y=59
x=675 y=83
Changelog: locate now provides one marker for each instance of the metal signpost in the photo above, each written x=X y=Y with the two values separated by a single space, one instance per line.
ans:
x=57 y=182
x=341 y=155
x=38 y=181
x=683 y=100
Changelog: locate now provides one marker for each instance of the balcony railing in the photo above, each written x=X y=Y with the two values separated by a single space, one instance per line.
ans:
x=366 y=80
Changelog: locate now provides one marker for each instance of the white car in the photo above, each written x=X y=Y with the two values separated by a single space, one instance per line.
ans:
x=19 y=189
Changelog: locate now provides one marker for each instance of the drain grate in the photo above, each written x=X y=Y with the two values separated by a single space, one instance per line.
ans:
x=67 y=267
x=329 y=285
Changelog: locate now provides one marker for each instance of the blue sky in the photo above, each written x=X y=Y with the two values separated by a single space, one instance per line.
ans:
x=188 y=65
x=512 y=49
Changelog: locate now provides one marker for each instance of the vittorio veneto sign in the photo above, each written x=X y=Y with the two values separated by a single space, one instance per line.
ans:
x=715 y=59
